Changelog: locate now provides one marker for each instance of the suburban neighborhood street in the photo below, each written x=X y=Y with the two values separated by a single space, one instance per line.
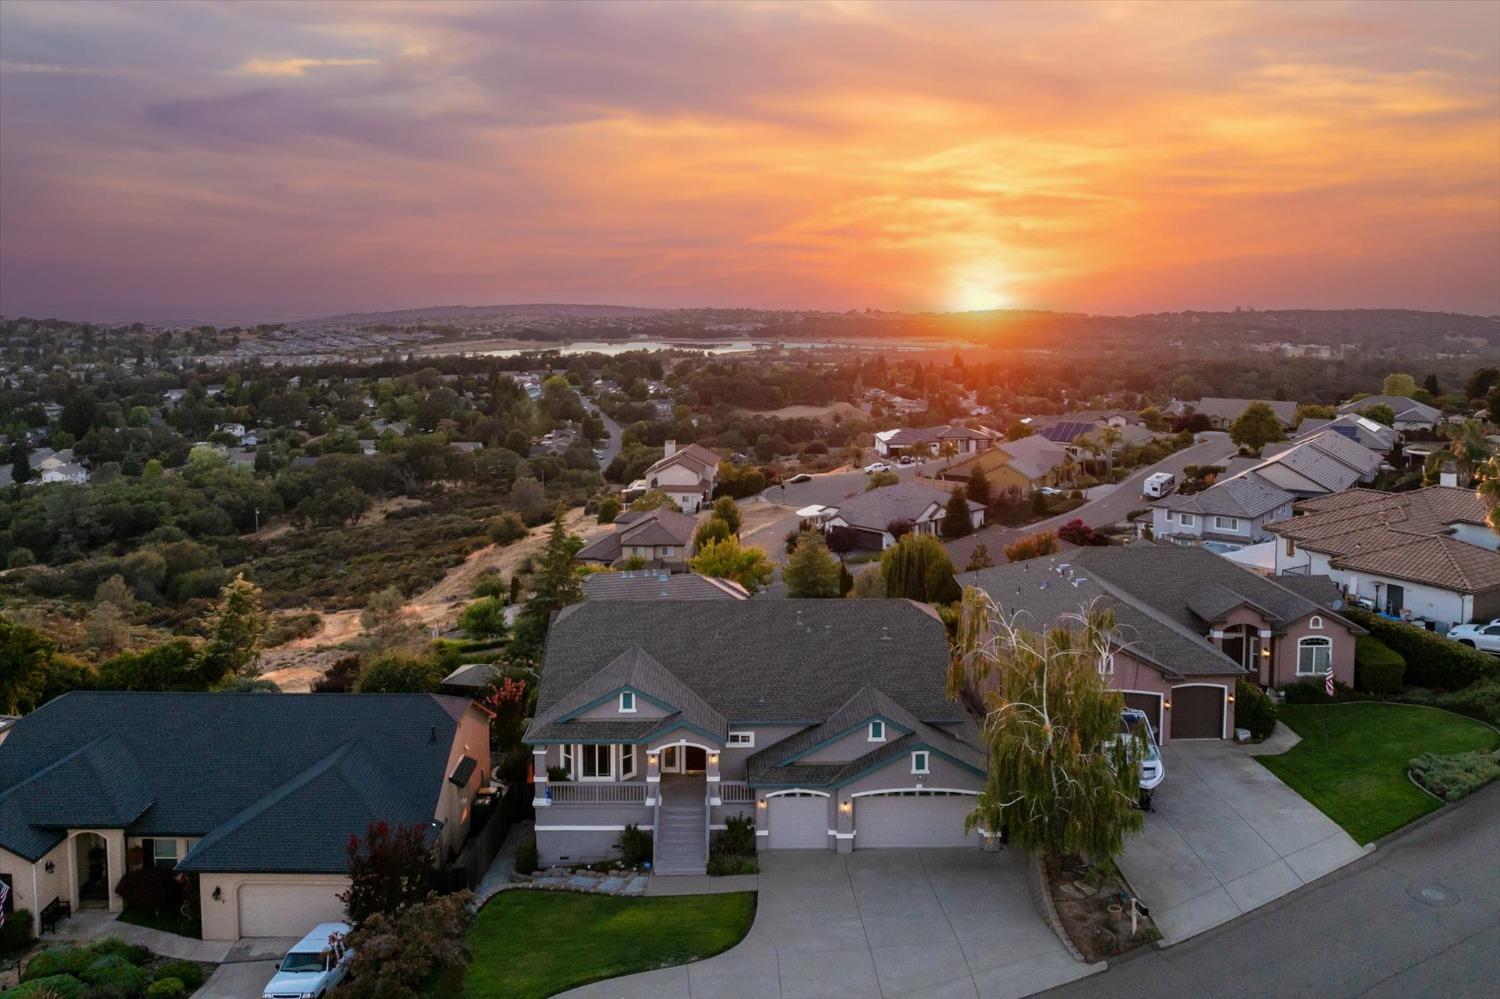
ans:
x=611 y=447
x=1418 y=917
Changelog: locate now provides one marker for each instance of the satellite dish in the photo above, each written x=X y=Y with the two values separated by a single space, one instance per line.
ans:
x=1337 y=604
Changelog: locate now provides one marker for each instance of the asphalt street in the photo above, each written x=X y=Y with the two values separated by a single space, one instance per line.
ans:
x=611 y=447
x=1418 y=917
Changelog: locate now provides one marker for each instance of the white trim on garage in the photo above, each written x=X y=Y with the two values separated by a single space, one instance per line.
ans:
x=1223 y=707
x=917 y=822
x=908 y=790
x=798 y=791
x=1160 y=722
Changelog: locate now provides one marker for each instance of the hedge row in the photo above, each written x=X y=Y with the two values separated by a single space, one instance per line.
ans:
x=1378 y=668
x=1431 y=659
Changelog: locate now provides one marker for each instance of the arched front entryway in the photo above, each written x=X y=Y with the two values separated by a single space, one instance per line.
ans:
x=91 y=874
x=1242 y=644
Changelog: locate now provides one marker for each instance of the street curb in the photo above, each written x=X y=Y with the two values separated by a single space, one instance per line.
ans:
x=1036 y=877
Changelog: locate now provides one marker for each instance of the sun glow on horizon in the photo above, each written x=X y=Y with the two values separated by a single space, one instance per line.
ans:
x=981 y=290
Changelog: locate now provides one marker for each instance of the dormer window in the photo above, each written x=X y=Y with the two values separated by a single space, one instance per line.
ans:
x=627 y=702
x=877 y=731
x=920 y=762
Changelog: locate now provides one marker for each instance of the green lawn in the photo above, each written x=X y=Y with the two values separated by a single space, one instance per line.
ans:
x=1352 y=760
x=532 y=944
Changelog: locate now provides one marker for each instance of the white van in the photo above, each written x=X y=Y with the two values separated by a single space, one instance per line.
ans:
x=1160 y=484
x=313 y=967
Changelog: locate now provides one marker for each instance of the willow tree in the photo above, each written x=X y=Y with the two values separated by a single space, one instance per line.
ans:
x=1060 y=780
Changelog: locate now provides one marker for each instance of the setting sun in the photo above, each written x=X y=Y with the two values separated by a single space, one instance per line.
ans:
x=980 y=291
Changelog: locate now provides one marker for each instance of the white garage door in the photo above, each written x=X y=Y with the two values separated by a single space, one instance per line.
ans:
x=288 y=910
x=912 y=818
x=798 y=822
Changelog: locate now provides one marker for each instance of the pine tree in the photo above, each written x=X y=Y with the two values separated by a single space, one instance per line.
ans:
x=956 y=522
x=557 y=584
x=812 y=572
x=233 y=647
x=979 y=487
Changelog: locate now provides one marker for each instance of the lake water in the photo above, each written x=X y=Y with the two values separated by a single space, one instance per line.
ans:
x=612 y=347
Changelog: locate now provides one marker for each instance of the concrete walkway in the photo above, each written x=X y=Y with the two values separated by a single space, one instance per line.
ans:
x=1227 y=836
x=886 y=923
x=92 y=924
x=497 y=878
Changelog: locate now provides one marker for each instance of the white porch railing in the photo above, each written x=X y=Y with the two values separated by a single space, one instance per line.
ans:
x=736 y=792
x=602 y=793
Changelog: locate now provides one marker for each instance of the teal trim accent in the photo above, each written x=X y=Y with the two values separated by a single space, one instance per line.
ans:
x=907 y=756
x=902 y=730
x=711 y=737
x=616 y=693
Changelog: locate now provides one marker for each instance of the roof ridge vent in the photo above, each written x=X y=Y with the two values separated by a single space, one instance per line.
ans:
x=885 y=633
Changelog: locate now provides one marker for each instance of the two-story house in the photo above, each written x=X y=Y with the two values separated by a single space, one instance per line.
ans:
x=687 y=475
x=1233 y=512
x=658 y=539
x=827 y=722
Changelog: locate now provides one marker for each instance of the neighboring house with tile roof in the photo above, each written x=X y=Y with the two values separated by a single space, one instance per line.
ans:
x=928 y=441
x=685 y=474
x=657 y=584
x=1425 y=554
x=1410 y=414
x=1026 y=463
x=661 y=538
x=1188 y=624
x=1222 y=413
x=826 y=721
x=257 y=795
x=869 y=514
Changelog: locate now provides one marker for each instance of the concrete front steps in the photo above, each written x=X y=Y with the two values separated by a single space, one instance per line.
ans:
x=680 y=848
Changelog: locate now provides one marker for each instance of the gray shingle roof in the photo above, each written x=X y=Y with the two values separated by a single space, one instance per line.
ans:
x=659 y=584
x=765 y=661
x=653 y=527
x=270 y=782
x=1247 y=496
x=1407 y=410
x=636 y=670
x=876 y=508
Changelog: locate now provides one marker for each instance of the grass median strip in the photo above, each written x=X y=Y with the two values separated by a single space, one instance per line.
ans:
x=1352 y=760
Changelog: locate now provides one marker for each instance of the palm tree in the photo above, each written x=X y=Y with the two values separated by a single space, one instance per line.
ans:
x=1489 y=491
x=1111 y=438
x=1089 y=443
x=1470 y=446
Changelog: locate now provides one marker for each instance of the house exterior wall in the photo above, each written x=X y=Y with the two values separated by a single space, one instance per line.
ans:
x=583 y=833
x=221 y=915
x=1282 y=669
x=1133 y=675
x=732 y=758
x=1444 y=608
x=1168 y=524
x=852 y=746
x=453 y=809
x=610 y=711
x=32 y=886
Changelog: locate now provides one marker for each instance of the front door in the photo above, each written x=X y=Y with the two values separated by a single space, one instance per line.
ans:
x=683 y=760
x=1395 y=598
x=671 y=760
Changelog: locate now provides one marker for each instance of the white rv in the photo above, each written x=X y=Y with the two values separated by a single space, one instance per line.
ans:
x=1160 y=484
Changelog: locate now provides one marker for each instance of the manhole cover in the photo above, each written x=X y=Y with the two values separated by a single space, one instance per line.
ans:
x=1435 y=895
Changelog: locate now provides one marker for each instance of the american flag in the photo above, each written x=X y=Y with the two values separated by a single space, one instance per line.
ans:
x=4 y=898
x=1328 y=683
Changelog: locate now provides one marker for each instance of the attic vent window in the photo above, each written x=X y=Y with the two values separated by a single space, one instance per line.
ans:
x=1316 y=624
x=627 y=702
x=877 y=731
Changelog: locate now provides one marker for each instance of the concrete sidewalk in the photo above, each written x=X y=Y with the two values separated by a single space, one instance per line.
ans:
x=1226 y=837
x=93 y=924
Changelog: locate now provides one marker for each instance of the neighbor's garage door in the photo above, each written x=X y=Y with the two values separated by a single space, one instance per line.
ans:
x=1198 y=712
x=911 y=818
x=798 y=822
x=288 y=910
x=1149 y=703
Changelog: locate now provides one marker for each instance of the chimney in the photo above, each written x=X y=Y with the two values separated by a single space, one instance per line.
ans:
x=1449 y=475
x=669 y=449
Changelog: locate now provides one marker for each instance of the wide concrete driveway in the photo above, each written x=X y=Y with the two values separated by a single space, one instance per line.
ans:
x=1227 y=836
x=930 y=923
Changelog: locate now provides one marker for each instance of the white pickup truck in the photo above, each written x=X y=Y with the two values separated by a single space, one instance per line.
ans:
x=313 y=967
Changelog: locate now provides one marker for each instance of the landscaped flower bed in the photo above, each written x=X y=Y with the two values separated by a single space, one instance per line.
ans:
x=1097 y=909
x=105 y=969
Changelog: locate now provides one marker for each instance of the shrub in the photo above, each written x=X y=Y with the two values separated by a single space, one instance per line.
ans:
x=739 y=836
x=167 y=988
x=134 y=953
x=507 y=528
x=1454 y=776
x=63 y=960
x=51 y=987
x=1378 y=669
x=17 y=933
x=1478 y=700
x=186 y=972
x=394 y=955
x=114 y=976
x=526 y=857
x=725 y=864
x=390 y=869
x=609 y=509
x=1431 y=659
x=1313 y=692
x=635 y=845
x=1253 y=709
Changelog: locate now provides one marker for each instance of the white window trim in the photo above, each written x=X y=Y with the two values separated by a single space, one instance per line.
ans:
x=926 y=757
x=156 y=854
x=1187 y=520
x=609 y=762
x=1227 y=523
x=1314 y=643
x=631 y=695
x=872 y=737
x=630 y=750
x=742 y=740
x=1315 y=623
x=568 y=758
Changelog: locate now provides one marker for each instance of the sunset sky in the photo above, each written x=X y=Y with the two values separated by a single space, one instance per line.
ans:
x=261 y=161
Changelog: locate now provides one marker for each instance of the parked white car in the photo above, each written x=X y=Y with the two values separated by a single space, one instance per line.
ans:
x=798 y=478
x=1485 y=637
x=1050 y=491
x=314 y=966
x=878 y=466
